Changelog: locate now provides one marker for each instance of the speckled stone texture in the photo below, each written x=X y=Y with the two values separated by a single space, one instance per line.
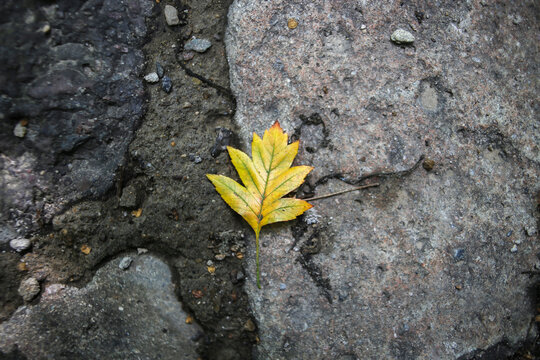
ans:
x=426 y=266
x=120 y=314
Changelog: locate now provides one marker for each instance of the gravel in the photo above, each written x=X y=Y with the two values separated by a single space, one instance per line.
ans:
x=19 y=130
x=19 y=244
x=198 y=45
x=171 y=15
x=152 y=78
x=166 y=84
x=159 y=70
x=401 y=36
x=125 y=263
x=29 y=288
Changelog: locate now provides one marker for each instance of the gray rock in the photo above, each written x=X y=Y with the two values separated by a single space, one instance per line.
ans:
x=20 y=244
x=29 y=288
x=125 y=263
x=166 y=84
x=198 y=45
x=171 y=15
x=152 y=78
x=349 y=96
x=61 y=98
x=112 y=317
x=401 y=36
x=20 y=130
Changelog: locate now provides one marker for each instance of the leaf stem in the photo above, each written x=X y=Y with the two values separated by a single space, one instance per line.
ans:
x=342 y=192
x=257 y=259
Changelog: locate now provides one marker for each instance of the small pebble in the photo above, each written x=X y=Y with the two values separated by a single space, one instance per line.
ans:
x=250 y=325
x=159 y=70
x=125 y=263
x=459 y=254
x=186 y=105
x=401 y=36
x=508 y=234
x=45 y=29
x=195 y=158
x=514 y=248
x=188 y=55
x=29 y=288
x=530 y=230
x=152 y=78
x=240 y=276
x=166 y=84
x=19 y=244
x=220 y=257
x=282 y=286
x=171 y=15
x=209 y=263
x=19 y=130
x=292 y=23
x=428 y=164
x=141 y=251
x=198 y=45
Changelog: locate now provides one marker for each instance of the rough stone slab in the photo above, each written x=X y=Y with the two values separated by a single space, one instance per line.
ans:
x=76 y=89
x=375 y=276
x=120 y=314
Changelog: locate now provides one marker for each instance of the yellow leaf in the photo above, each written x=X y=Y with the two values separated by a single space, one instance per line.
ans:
x=137 y=213
x=267 y=177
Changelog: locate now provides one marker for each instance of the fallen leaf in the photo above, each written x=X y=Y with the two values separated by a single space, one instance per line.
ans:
x=267 y=176
x=137 y=213
x=189 y=319
x=211 y=269
x=86 y=249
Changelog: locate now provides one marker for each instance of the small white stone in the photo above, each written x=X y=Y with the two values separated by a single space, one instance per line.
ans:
x=29 y=288
x=152 y=78
x=125 y=263
x=171 y=15
x=19 y=131
x=401 y=36
x=45 y=29
x=19 y=244
x=141 y=251
x=514 y=249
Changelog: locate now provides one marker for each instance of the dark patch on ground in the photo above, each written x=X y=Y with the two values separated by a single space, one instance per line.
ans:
x=182 y=219
x=10 y=278
x=77 y=91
